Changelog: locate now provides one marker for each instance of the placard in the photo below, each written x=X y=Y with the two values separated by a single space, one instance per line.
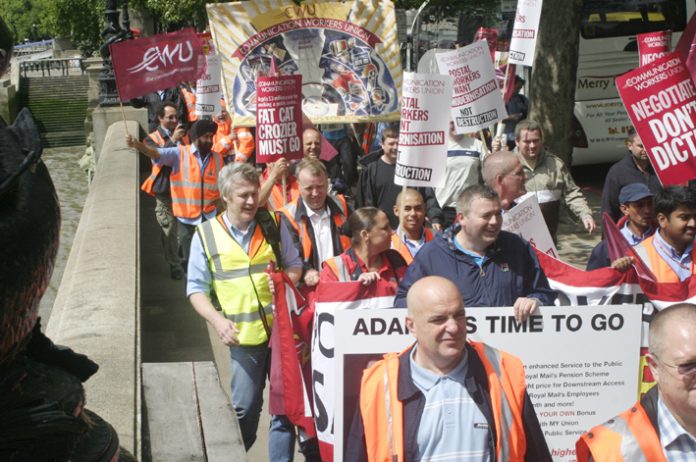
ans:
x=526 y=220
x=279 y=118
x=653 y=45
x=660 y=99
x=422 y=156
x=524 y=32
x=476 y=99
x=581 y=362
x=209 y=88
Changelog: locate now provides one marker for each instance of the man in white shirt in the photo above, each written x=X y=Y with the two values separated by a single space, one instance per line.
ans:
x=316 y=219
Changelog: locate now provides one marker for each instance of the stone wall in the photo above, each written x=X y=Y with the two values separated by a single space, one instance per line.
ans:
x=97 y=308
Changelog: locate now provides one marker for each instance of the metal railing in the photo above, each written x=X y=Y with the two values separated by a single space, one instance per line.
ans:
x=52 y=67
x=33 y=47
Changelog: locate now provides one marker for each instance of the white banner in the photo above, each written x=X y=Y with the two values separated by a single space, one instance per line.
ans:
x=524 y=32
x=526 y=219
x=209 y=88
x=423 y=130
x=476 y=100
x=333 y=297
x=581 y=362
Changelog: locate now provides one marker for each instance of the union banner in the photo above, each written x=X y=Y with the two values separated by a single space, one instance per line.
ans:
x=346 y=52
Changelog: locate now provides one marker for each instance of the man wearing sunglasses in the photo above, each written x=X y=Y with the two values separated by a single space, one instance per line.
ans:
x=662 y=425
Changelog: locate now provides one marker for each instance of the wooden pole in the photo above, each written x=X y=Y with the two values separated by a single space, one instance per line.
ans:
x=123 y=113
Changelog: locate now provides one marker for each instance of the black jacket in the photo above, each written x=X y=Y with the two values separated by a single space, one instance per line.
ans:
x=376 y=188
x=620 y=174
x=476 y=383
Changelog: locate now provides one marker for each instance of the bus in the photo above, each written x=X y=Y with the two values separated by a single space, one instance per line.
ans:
x=608 y=48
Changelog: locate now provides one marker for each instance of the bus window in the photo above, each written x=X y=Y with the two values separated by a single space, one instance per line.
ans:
x=603 y=19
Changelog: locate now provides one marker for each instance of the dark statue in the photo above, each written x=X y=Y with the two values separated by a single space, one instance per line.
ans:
x=42 y=413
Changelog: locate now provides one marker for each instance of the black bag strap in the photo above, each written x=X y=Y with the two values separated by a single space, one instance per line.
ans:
x=271 y=232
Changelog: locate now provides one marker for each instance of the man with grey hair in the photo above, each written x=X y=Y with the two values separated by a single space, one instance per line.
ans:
x=489 y=266
x=662 y=425
x=503 y=173
x=230 y=257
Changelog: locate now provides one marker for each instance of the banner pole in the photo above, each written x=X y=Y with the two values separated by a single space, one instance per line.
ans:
x=500 y=126
x=284 y=184
x=123 y=113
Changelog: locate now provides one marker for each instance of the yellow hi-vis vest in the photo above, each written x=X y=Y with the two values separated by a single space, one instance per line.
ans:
x=239 y=279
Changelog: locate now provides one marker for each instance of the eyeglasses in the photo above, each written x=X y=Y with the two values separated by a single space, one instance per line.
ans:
x=685 y=370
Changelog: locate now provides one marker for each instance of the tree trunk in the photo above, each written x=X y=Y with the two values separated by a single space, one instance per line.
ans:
x=552 y=86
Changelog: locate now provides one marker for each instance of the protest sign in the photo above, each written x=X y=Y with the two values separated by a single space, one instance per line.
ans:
x=653 y=45
x=155 y=63
x=347 y=53
x=209 y=88
x=476 y=100
x=525 y=31
x=581 y=363
x=278 y=118
x=660 y=100
x=526 y=220
x=423 y=130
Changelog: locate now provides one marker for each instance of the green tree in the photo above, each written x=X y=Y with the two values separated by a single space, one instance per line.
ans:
x=174 y=14
x=24 y=18
x=79 y=20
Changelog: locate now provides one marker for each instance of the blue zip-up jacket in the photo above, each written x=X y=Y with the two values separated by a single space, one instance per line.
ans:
x=510 y=270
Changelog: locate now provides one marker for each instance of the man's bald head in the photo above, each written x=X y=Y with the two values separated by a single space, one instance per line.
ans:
x=311 y=142
x=430 y=290
x=666 y=322
x=436 y=318
x=498 y=163
x=503 y=172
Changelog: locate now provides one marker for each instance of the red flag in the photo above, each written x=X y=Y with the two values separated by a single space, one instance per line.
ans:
x=618 y=246
x=154 y=63
x=290 y=366
x=490 y=35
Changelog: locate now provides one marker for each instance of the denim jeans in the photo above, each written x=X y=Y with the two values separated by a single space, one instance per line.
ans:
x=250 y=367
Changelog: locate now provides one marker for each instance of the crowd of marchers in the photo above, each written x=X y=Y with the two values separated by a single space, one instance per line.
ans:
x=227 y=222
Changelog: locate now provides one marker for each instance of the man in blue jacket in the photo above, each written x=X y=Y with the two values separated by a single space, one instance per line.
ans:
x=491 y=267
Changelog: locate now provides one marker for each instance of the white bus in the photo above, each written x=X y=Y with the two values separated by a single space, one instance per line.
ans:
x=608 y=48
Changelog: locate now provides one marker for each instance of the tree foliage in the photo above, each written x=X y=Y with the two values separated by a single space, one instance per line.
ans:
x=25 y=19
x=79 y=20
x=174 y=14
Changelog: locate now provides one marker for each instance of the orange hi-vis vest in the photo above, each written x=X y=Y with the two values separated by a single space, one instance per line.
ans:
x=383 y=414
x=302 y=228
x=628 y=437
x=663 y=272
x=190 y=100
x=240 y=142
x=194 y=192
x=292 y=192
x=156 y=137
x=400 y=246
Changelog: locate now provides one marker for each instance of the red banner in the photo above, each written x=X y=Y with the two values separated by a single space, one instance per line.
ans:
x=154 y=63
x=660 y=99
x=653 y=45
x=278 y=118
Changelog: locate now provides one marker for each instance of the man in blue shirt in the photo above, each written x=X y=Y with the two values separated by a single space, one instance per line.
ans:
x=230 y=256
x=489 y=266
